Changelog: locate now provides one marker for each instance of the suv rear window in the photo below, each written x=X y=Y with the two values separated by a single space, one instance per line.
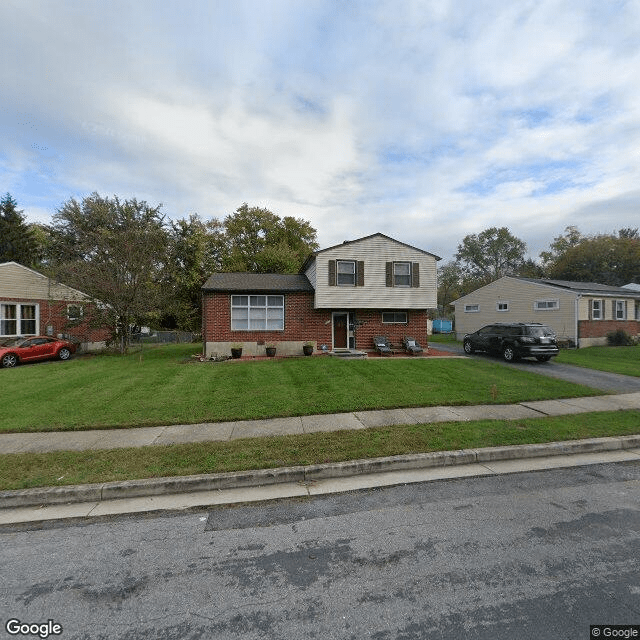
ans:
x=539 y=332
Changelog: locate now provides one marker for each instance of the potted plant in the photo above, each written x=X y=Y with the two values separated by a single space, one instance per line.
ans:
x=236 y=350
x=307 y=348
x=270 y=348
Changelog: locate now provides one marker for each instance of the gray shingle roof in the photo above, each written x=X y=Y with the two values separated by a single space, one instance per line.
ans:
x=257 y=282
x=586 y=287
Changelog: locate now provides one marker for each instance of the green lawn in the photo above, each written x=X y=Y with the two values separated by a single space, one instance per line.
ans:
x=160 y=386
x=25 y=470
x=625 y=360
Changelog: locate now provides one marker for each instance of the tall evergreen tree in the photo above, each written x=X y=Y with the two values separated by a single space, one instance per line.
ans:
x=17 y=240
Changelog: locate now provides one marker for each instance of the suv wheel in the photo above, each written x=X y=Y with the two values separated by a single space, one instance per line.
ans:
x=467 y=346
x=509 y=354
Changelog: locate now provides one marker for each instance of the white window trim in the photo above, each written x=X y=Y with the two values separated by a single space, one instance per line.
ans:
x=402 y=275
x=405 y=321
x=19 y=306
x=554 y=301
x=502 y=302
x=80 y=307
x=355 y=268
x=248 y=307
x=623 y=303
x=599 y=310
x=472 y=308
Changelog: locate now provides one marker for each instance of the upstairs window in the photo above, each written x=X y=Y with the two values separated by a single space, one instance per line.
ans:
x=402 y=274
x=346 y=274
x=471 y=308
x=502 y=306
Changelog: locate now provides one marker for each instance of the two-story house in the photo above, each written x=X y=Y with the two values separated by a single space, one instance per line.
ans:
x=343 y=296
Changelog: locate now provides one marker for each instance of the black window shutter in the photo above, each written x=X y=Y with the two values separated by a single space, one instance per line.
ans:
x=332 y=273
x=415 y=274
x=360 y=273
x=389 y=274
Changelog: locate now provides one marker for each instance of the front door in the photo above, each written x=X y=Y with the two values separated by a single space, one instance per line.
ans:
x=340 y=325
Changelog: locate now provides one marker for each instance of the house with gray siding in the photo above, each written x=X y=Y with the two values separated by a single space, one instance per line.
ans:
x=579 y=312
x=342 y=297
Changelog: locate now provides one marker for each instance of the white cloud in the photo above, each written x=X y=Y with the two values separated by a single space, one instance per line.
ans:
x=426 y=123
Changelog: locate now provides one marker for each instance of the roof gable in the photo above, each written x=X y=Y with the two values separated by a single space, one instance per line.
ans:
x=365 y=239
x=18 y=281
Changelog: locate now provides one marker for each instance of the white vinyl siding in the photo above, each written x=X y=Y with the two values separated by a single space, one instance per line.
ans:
x=521 y=296
x=257 y=313
x=17 y=281
x=375 y=252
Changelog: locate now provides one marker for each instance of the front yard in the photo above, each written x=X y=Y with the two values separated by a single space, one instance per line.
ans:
x=624 y=360
x=160 y=386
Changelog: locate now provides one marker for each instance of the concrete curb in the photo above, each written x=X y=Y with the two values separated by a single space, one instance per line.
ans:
x=303 y=474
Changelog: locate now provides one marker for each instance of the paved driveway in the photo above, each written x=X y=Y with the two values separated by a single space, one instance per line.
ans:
x=609 y=382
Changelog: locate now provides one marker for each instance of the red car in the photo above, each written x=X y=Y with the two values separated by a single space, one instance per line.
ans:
x=33 y=349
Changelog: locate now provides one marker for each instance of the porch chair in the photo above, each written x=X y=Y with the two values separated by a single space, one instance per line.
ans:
x=411 y=346
x=382 y=346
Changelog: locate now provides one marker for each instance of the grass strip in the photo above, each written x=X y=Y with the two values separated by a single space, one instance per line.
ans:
x=623 y=360
x=156 y=387
x=25 y=470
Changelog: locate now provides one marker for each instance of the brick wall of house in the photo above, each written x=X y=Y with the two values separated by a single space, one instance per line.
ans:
x=53 y=313
x=600 y=328
x=369 y=324
x=304 y=323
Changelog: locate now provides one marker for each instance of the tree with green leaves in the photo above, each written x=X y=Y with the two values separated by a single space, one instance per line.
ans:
x=604 y=258
x=196 y=250
x=114 y=251
x=259 y=241
x=17 y=240
x=491 y=254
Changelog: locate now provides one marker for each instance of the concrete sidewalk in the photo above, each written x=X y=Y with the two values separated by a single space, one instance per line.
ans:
x=157 y=494
x=42 y=442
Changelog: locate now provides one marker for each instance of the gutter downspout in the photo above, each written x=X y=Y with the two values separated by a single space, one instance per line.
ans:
x=577 y=303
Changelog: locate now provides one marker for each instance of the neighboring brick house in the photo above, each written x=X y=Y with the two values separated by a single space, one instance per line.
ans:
x=33 y=304
x=342 y=297
x=581 y=312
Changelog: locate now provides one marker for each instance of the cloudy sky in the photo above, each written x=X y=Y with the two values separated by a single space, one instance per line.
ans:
x=424 y=120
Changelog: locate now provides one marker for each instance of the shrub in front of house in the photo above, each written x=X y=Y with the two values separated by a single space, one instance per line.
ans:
x=620 y=338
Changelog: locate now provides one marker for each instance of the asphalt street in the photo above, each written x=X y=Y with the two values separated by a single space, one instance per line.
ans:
x=602 y=380
x=527 y=556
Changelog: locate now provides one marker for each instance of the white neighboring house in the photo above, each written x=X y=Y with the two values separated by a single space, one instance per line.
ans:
x=580 y=312
x=33 y=304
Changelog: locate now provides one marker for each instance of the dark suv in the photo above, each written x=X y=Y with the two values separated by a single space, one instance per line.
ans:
x=514 y=340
